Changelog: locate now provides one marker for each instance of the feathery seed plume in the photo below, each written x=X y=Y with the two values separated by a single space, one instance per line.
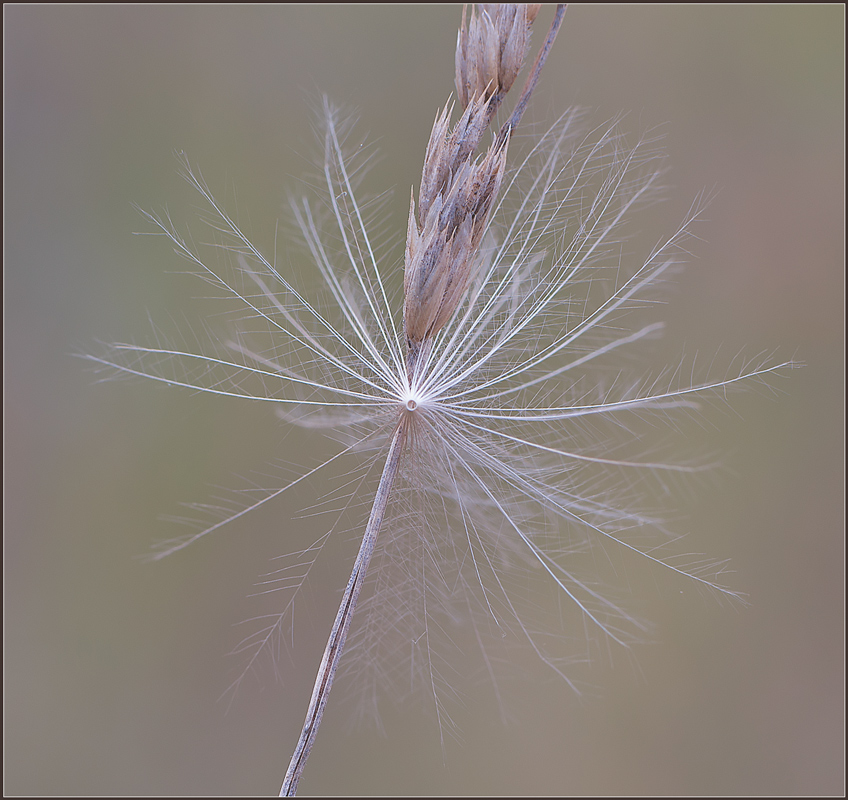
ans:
x=480 y=402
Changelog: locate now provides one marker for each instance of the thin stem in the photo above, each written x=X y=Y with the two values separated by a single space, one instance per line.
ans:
x=338 y=635
x=535 y=72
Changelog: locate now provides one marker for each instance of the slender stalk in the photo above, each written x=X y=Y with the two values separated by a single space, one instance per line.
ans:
x=338 y=635
x=535 y=72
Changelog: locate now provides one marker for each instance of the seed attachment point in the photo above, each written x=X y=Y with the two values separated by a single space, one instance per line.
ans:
x=411 y=400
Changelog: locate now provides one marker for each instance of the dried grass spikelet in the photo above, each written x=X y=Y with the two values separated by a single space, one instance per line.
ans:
x=457 y=192
x=442 y=239
x=491 y=49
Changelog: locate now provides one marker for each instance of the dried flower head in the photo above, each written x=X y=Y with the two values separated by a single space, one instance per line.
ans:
x=457 y=193
x=442 y=241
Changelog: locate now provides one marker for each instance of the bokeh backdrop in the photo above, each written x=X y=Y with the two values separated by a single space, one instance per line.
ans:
x=114 y=667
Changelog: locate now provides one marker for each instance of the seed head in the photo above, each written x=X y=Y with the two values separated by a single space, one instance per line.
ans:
x=457 y=191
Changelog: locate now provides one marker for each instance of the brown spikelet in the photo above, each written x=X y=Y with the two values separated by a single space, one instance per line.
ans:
x=441 y=244
x=491 y=49
x=457 y=191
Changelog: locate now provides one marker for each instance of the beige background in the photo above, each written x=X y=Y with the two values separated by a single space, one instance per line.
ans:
x=113 y=668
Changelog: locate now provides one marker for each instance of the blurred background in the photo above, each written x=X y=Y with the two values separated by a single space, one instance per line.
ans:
x=114 y=667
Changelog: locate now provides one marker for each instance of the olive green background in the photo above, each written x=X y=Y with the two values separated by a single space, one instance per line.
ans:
x=114 y=667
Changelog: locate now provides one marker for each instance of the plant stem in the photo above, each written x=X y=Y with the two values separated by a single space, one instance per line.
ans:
x=533 y=77
x=338 y=635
